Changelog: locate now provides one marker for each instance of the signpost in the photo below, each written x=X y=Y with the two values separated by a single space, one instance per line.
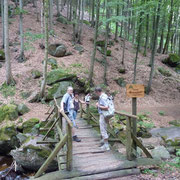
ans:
x=135 y=91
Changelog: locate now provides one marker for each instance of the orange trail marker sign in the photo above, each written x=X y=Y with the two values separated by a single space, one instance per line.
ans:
x=135 y=90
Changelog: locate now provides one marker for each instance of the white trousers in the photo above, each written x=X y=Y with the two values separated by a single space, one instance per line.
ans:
x=103 y=127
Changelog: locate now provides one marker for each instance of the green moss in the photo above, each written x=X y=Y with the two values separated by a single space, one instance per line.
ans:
x=164 y=72
x=102 y=50
x=8 y=112
x=7 y=90
x=100 y=43
x=58 y=75
x=7 y=132
x=44 y=153
x=120 y=81
x=29 y=124
x=63 y=20
x=173 y=60
x=53 y=63
x=36 y=74
x=175 y=123
x=2 y=55
x=86 y=22
x=22 y=109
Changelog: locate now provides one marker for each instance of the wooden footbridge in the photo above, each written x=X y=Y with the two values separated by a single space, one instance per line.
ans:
x=86 y=160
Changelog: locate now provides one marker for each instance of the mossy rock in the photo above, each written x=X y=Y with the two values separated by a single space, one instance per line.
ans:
x=53 y=63
x=100 y=43
x=8 y=112
x=29 y=124
x=173 y=60
x=164 y=72
x=58 y=75
x=177 y=69
x=171 y=141
x=36 y=74
x=121 y=81
x=2 y=55
x=175 y=123
x=58 y=89
x=122 y=70
x=7 y=132
x=79 y=48
x=57 y=50
x=22 y=109
x=102 y=50
x=63 y=20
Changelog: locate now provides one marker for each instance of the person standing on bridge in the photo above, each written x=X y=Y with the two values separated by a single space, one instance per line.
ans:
x=102 y=105
x=67 y=106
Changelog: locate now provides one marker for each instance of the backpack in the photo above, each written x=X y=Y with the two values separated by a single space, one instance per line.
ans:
x=111 y=110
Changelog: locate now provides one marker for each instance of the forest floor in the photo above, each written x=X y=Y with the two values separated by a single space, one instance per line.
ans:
x=165 y=94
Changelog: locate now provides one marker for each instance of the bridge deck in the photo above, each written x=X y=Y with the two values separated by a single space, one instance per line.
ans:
x=91 y=163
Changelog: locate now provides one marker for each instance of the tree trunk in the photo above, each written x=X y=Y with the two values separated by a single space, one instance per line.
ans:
x=139 y=44
x=57 y=6
x=82 y=18
x=21 y=58
x=166 y=46
x=46 y=15
x=50 y=14
x=9 y=78
x=117 y=23
x=154 y=47
x=92 y=19
x=95 y=40
x=2 y=19
x=147 y=35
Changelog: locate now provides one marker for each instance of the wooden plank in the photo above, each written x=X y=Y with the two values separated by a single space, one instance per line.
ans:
x=110 y=175
x=69 y=148
x=135 y=90
x=141 y=146
x=125 y=114
x=51 y=157
x=46 y=142
x=129 y=140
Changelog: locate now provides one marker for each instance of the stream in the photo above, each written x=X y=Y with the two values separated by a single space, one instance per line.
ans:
x=7 y=172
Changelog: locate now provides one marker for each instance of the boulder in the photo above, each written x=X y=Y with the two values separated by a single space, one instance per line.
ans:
x=173 y=60
x=35 y=96
x=53 y=63
x=62 y=20
x=171 y=135
x=58 y=75
x=120 y=81
x=58 y=89
x=31 y=155
x=79 y=48
x=22 y=109
x=57 y=50
x=8 y=140
x=8 y=112
x=28 y=125
x=36 y=74
x=175 y=123
x=160 y=152
x=2 y=56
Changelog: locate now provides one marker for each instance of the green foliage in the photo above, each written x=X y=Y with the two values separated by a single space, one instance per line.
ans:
x=7 y=90
x=149 y=171
x=76 y=65
x=161 y=113
x=18 y=11
x=144 y=121
x=164 y=72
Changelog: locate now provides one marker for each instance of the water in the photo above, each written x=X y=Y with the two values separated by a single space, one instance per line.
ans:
x=8 y=173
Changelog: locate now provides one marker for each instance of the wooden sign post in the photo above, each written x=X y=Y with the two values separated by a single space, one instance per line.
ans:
x=134 y=91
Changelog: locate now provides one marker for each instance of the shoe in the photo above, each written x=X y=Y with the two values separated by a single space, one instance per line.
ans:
x=101 y=142
x=105 y=147
x=76 y=139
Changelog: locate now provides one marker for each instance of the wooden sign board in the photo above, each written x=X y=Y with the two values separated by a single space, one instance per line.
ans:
x=135 y=90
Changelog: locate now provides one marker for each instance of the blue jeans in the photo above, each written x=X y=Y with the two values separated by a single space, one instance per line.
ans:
x=71 y=117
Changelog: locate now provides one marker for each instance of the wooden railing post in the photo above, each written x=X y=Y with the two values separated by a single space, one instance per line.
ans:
x=69 y=148
x=81 y=110
x=129 y=152
x=88 y=113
